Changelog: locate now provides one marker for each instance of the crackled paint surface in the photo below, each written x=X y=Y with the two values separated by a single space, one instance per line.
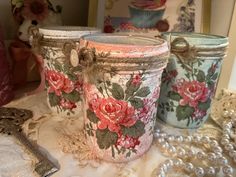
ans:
x=63 y=81
x=121 y=106
x=188 y=88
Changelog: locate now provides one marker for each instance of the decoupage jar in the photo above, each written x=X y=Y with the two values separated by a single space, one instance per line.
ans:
x=122 y=75
x=190 y=78
x=63 y=79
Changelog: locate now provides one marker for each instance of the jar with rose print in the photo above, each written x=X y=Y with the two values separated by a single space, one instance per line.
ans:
x=190 y=78
x=122 y=75
x=63 y=78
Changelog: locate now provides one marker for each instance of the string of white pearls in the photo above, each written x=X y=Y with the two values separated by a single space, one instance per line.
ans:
x=228 y=133
x=171 y=144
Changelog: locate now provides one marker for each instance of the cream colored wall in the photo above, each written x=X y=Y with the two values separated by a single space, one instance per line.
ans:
x=221 y=16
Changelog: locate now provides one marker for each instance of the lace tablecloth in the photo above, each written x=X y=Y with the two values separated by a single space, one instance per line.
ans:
x=53 y=135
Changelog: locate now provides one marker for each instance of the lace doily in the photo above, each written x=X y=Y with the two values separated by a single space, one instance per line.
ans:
x=75 y=144
x=225 y=101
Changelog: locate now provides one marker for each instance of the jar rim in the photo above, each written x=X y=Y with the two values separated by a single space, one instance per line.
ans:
x=65 y=32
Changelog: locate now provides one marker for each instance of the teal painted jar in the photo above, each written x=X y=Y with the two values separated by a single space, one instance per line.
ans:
x=190 y=78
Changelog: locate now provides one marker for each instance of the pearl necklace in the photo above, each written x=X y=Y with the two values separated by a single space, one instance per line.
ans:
x=183 y=154
x=228 y=133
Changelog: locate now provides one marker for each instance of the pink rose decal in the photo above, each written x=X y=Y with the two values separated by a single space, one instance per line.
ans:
x=192 y=92
x=114 y=113
x=68 y=86
x=55 y=81
x=62 y=90
x=137 y=79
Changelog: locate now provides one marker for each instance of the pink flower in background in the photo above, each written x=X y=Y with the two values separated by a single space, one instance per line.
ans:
x=136 y=79
x=35 y=9
x=67 y=104
x=113 y=113
x=55 y=81
x=192 y=92
x=68 y=86
x=127 y=142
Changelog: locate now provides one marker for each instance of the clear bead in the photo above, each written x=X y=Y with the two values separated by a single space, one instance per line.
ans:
x=189 y=167
x=201 y=155
x=170 y=138
x=228 y=170
x=211 y=157
x=188 y=139
x=210 y=171
x=217 y=149
x=222 y=161
x=196 y=139
x=181 y=152
x=205 y=139
x=214 y=143
x=179 y=139
x=224 y=141
x=199 y=172
x=229 y=147
x=232 y=153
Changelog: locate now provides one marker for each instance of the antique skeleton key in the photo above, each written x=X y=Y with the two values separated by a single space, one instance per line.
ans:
x=11 y=120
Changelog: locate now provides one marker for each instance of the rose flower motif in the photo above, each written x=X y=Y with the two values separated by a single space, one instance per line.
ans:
x=114 y=113
x=192 y=92
x=67 y=104
x=55 y=81
x=68 y=86
x=136 y=79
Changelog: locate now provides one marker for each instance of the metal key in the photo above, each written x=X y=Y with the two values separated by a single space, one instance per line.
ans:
x=11 y=120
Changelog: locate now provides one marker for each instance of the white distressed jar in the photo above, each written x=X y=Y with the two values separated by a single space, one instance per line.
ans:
x=58 y=46
x=122 y=76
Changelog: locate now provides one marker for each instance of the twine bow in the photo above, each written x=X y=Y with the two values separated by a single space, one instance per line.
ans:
x=184 y=52
x=87 y=57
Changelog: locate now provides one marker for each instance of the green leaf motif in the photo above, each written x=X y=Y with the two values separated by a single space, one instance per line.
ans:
x=72 y=76
x=136 y=102
x=201 y=76
x=77 y=69
x=143 y=92
x=205 y=106
x=174 y=96
x=54 y=100
x=135 y=131
x=215 y=76
x=73 y=96
x=105 y=138
x=117 y=91
x=92 y=116
x=128 y=154
x=184 y=112
x=58 y=66
x=131 y=88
